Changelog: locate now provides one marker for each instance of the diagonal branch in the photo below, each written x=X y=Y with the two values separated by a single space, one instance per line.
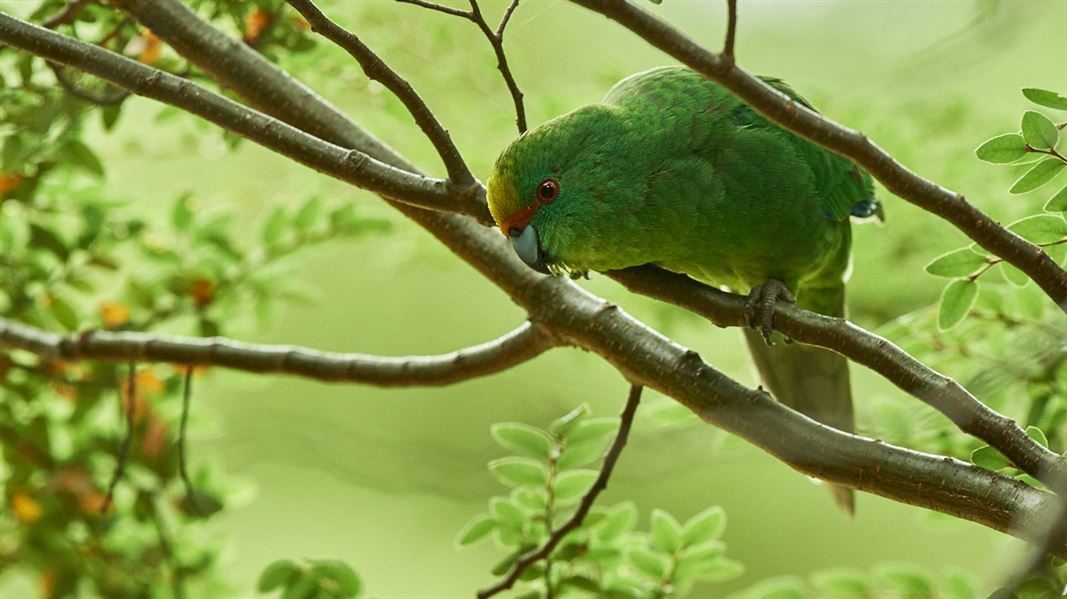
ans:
x=859 y=345
x=349 y=165
x=896 y=177
x=626 y=420
x=575 y=316
x=376 y=69
x=520 y=345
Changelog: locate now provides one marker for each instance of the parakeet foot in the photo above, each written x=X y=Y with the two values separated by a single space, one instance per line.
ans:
x=759 y=309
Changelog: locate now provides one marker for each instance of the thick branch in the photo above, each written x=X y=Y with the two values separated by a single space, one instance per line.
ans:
x=897 y=178
x=520 y=345
x=376 y=69
x=859 y=345
x=648 y=358
x=349 y=165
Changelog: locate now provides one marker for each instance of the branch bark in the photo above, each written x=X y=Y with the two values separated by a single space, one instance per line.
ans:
x=376 y=69
x=520 y=345
x=349 y=165
x=896 y=177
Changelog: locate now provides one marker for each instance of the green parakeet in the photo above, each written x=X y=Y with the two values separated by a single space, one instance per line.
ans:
x=672 y=170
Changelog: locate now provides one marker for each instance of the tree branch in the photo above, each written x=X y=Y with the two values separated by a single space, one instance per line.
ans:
x=731 y=31
x=520 y=345
x=496 y=40
x=67 y=15
x=626 y=420
x=897 y=178
x=646 y=357
x=349 y=165
x=859 y=345
x=376 y=69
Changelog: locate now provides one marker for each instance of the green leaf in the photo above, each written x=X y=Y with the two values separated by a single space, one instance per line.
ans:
x=959 y=584
x=696 y=559
x=907 y=579
x=572 y=484
x=278 y=574
x=64 y=313
x=705 y=526
x=989 y=458
x=181 y=215
x=275 y=227
x=841 y=583
x=347 y=581
x=507 y=513
x=81 y=155
x=530 y=497
x=307 y=214
x=593 y=429
x=1041 y=173
x=1037 y=435
x=648 y=562
x=958 y=263
x=303 y=587
x=1013 y=275
x=1045 y=97
x=956 y=301
x=522 y=439
x=620 y=521
x=519 y=471
x=580 y=454
x=1058 y=202
x=779 y=587
x=1043 y=228
x=721 y=570
x=1002 y=149
x=1038 y=131
x=475 y=529
x=666 y=533
x=563 y=425
x=11 y=155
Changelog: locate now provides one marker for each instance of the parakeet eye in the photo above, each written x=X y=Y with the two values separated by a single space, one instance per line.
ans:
x=547 y=190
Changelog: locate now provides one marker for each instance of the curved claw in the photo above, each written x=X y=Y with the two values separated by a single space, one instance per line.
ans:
x=759 y=309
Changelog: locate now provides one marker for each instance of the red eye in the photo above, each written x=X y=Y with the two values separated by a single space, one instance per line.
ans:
x=547 y=191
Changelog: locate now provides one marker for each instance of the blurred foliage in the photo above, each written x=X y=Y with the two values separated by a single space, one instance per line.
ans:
x=605 y=555
x=76 y=258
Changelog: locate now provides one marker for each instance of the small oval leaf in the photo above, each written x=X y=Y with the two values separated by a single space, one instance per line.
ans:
x=476 y=529
x=1058 y=202
x=1041 y=173
x=1002 y=149
x=522 y=439
x=519 y=471
x=989 y=458
x=958 y=263
x=1039 y=131
x=666 y=533
x=1043 y=228
x=1045 y=97
x=956 y=301
x=278 y=574
x=705 y=526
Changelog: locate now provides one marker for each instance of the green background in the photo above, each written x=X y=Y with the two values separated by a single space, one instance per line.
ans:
x=382 y=478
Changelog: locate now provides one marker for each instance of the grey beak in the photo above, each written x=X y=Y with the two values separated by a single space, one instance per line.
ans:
x=527 y=246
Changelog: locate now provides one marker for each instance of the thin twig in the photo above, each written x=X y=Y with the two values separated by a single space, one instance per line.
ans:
x=190 y=491
x=448 y=10
x=731 y=30
x=68 y=14
x=626 y=420
x=496 y=40
x=127 y=440
x=377 y=70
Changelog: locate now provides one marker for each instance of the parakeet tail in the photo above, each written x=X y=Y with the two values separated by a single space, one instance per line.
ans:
x=809 y=379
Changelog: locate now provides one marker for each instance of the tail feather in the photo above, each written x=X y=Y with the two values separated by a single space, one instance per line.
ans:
x=811 y=380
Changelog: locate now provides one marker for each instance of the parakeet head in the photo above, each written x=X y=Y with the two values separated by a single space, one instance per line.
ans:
x=551 y=188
